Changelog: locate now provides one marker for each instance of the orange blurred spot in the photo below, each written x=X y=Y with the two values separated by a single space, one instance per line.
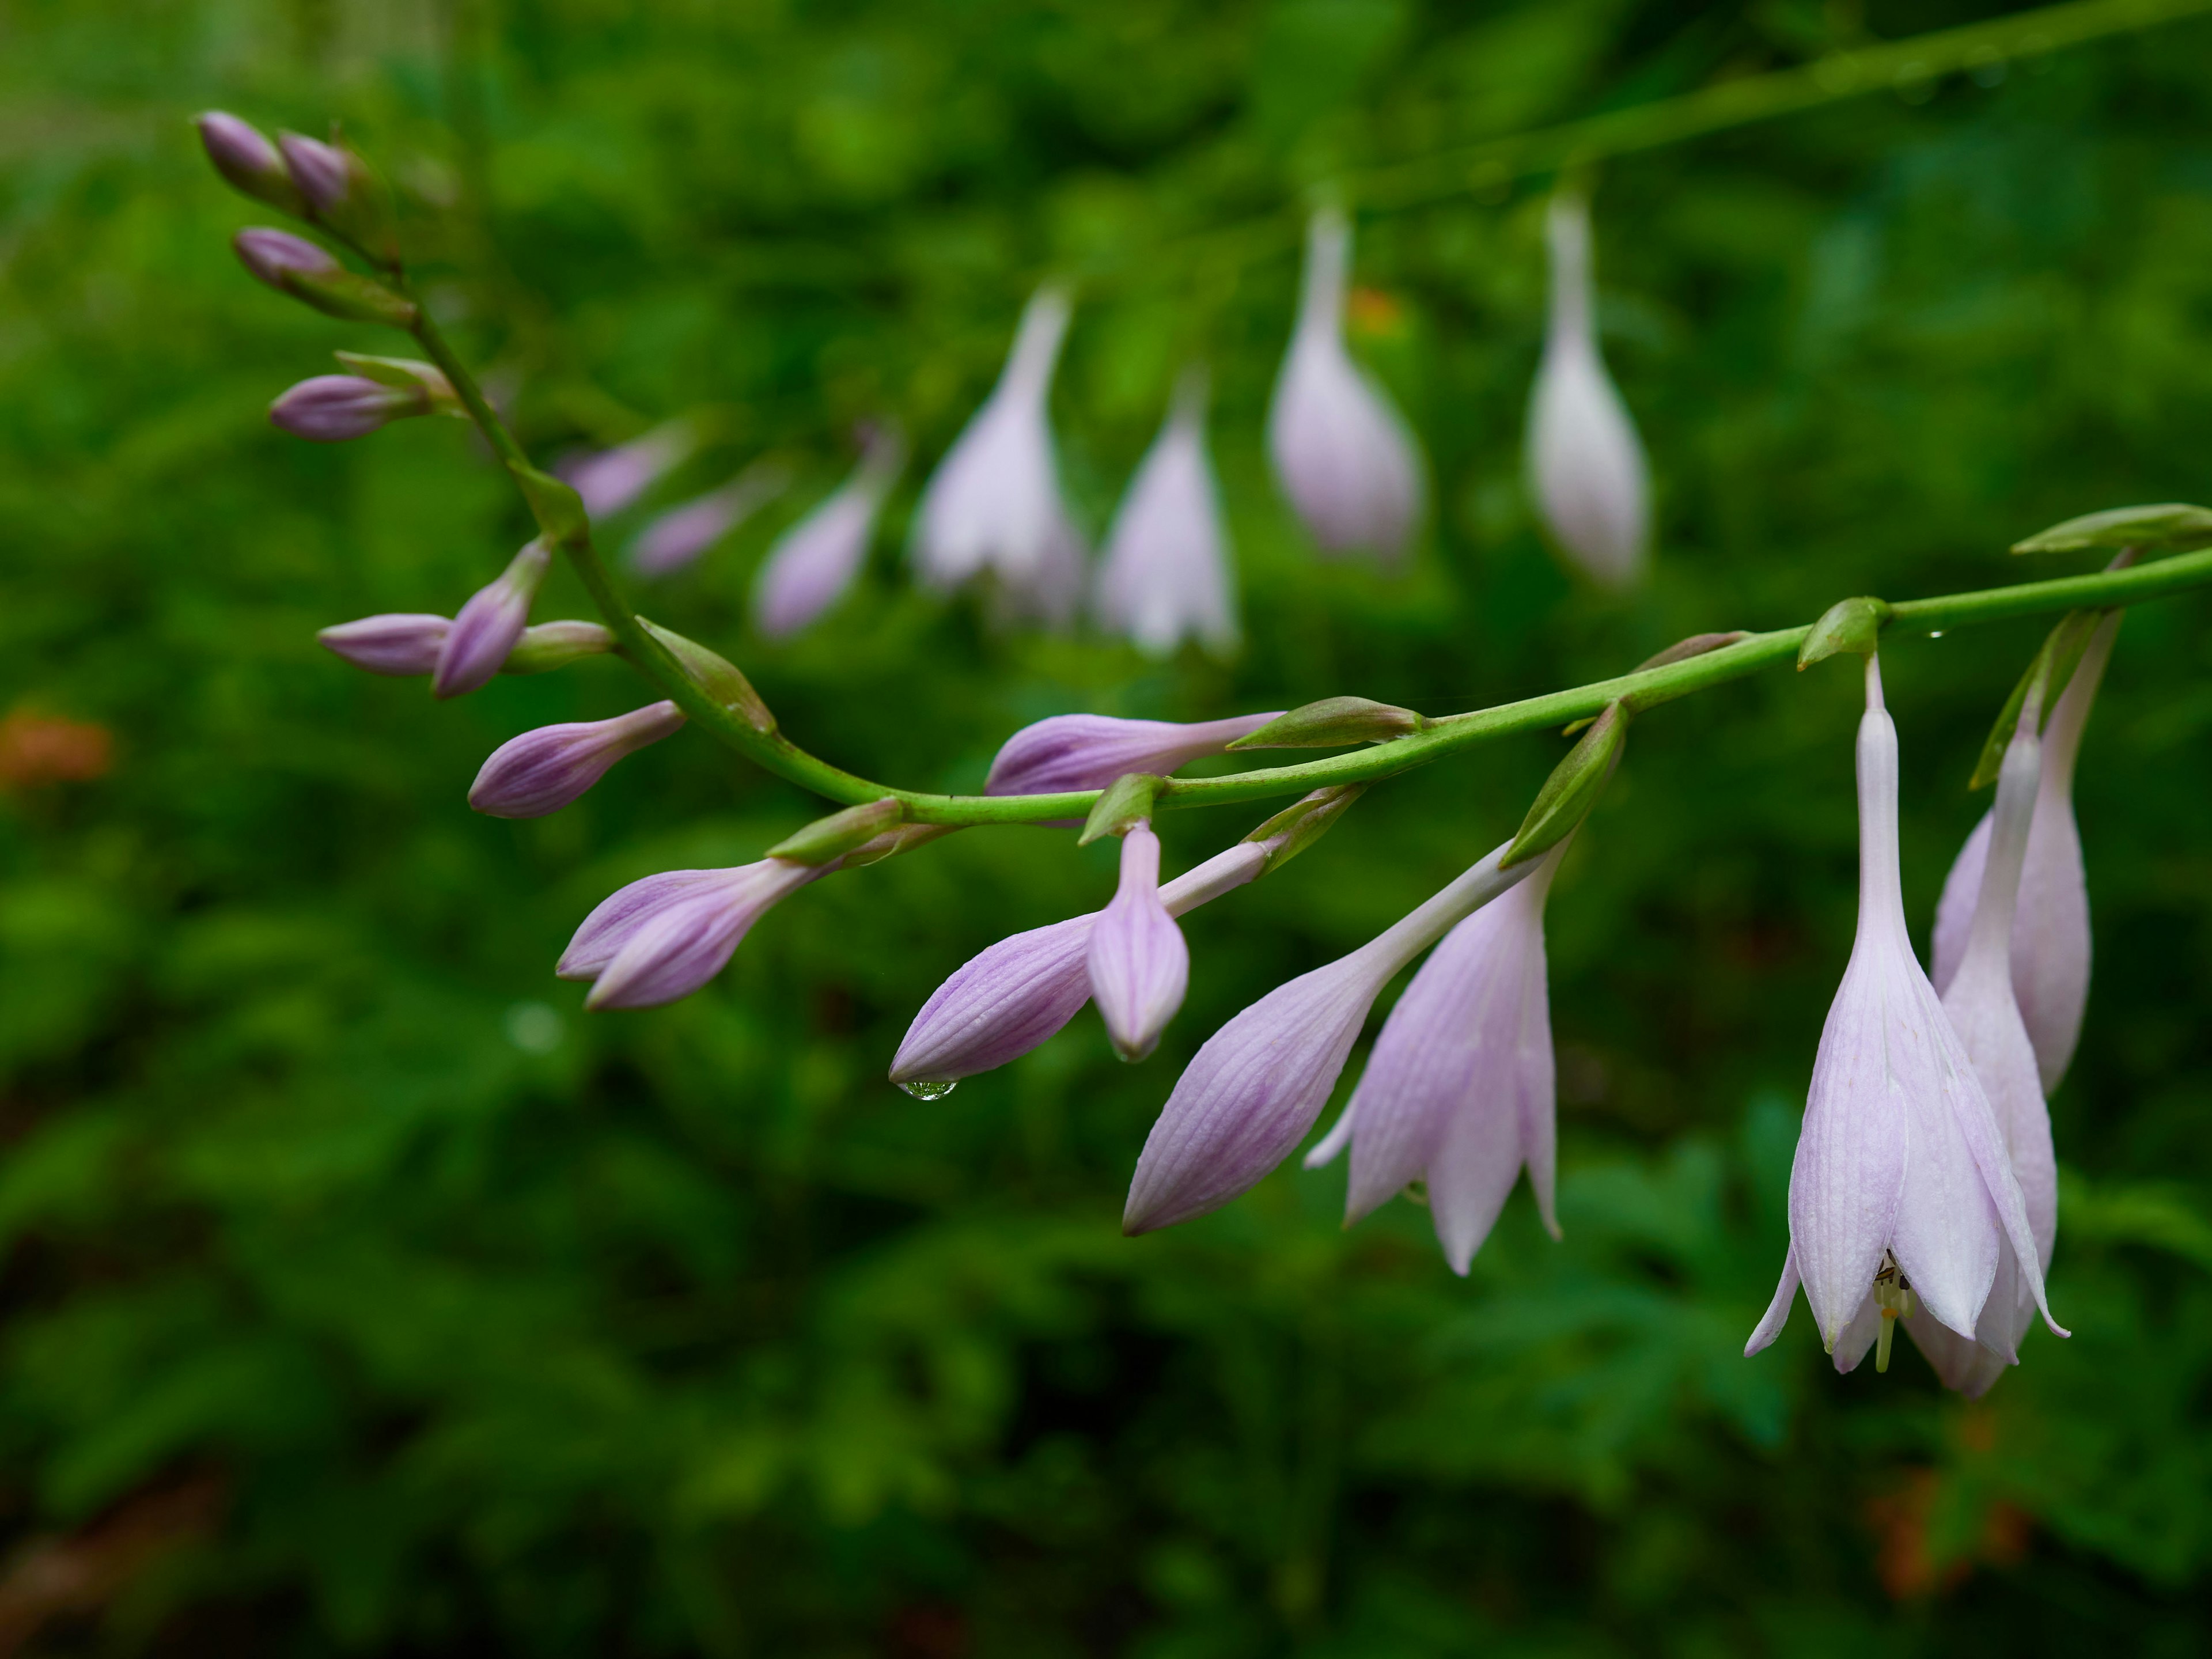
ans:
x=1374 y=314
x=1908 y=1568
x=39 y=748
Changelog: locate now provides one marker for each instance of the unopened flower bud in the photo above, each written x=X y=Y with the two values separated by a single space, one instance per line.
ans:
x=555 y=645
x=716 y=675
x=1088 y=752
x=2168 y=528
x=247 y=160
x=341 y=191
x=408 y=373
x=1333 y=722
x=490 y=623
x=399 y=643
x=1139 y=965
x=1572 y=789
x=665 y=937
x=292 y=264
x=332 y=407
x=833 y=837
x=543 y=771
x=276 y=256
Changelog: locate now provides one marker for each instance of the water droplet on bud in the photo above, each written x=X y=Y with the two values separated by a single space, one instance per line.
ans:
x=935 y=1088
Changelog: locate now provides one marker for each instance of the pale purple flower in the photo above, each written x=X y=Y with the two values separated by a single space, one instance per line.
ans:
x=1459 y=1092
x=663 y=938
x=993 y=505
x=1982 y=1006
x=611 y=480
x=2051 y=941
x=245 y=158
x=543 y=771
x=321 y=171
x=1586 y=465
x=1341 y=450
x=1005 y=1001
x=271 y=255
x=814 y=561
x=679 y=535
x=330 y=409
x=1139 y=965
x=1063 y=752
x=1166 y=576
x=1248 y=1096
x=490 y=624
x=1902 y=1187
x=396 y=643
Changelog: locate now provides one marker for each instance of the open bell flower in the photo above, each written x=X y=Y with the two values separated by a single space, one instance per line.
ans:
x=1986 y=1015
x=1063 y=752
x=1166 y=576
x=675 y=540
x=542 y=771
x=1586 y=465
x=1902 y=1187
x=814 y=562
x=1340 y=451
x=993 y=505
x=396 y=643
x=2051 y=950
x=611 y=479
x=1138 y=964
x=329 y=409
x=1251 y=1093
x=1459 y=1093
x=661 y=938
x=487 y=626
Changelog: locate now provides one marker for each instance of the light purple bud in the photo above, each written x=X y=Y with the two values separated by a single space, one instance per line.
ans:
x=664 y=937
x=490 y=624
x=1089 y=751
x=1166 y=576
x=1140 y=966
x=269 y=254
x=611 y=480
x=814 y=561
x=398 y=643
x=246 y=159
x=543 y=771
x=332 y=408
x=680 y=535
x=318 y=169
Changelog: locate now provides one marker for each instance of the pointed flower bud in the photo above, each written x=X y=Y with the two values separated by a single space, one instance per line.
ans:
x=1573 y=789
x=555 y=645
x=993 y=505
x=1139 y=965
x=543 y=771
x=292 y=264
x=663 y=938
x=1065 y=752
x=2169 y=527
x=677 y=539
x=1251 y=1094
x=341 y=191
x=716 y=676
x=1902 y=1187
x=1297 y=827
x=814 y=562
x=611 y=479
x=1340 y=451
x=1124 y=804
x=332 y=408
x=1165 y=577
x=247 y=160
x=490 y=623
x=2051 y=949
x=1459 y=1093
x=275 y=256
x=1586 y=465
x=840 y=833
x=1848 y=625
x=396 y=644
x=1333 y=722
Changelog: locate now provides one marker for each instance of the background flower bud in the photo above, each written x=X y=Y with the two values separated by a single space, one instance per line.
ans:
x=341 y=191
x=332 y=407
x=247 y=160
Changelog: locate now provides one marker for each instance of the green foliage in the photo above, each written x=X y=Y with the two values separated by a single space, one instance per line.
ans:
x=503 y=1329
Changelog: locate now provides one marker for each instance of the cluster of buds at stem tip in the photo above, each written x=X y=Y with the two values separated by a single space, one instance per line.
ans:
x=401 y=644
x=323 y=184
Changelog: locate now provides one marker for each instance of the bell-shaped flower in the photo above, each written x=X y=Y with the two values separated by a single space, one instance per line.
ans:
x=396 y=643
x=1139 y=965
x=679 y=535
x=1165 y=577
x=1341 y=451
x=993 y=505
x=663 y=938
x=487 y=626
x=1459 y=1093
x=611 y=479
x=1063 y=752
x=543 y=771
x=1005 y=1001
x=1586 y=465
x=1248 y=1096
x=814 y=561
x=1902 y=1187
x=1983 y=1009
x=2051 y=939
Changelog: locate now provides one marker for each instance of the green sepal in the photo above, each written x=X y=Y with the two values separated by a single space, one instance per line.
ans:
x=1682 y=650
x=365 y=216
x=1571 y=790
x=1333 y=722
x=1299 y=825
x=349 y=296
x=1120 y=806
x=557 y=507
x=555 y=645
x=1852 y=625
x=717 y=676
x=405 y=374
x=2167 y=528
x=840 y=833
x=901 y=838
x=2052 y=668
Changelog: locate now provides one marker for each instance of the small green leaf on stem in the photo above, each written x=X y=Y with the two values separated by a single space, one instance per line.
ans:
x=2047 y=674
x=1333 y=722
x=406 y=374
x=1299 y=825
x=1120 y=806
x=902 y=839
x=2167 y=528
x=1572 y=789
x=1852 y=625
x=1696 y=646
x=840 y=833
x=557 y=507
x=716 y=676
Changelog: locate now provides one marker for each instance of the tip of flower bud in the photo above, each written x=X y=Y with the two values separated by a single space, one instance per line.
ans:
x=246 y=159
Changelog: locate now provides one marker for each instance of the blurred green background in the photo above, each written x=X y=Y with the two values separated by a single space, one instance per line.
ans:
x=362 y=1296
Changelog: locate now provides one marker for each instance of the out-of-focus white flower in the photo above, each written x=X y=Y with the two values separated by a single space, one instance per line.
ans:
x=1586 y=465
x=1165 y=577
x=1342 y=453
x=814 y=561
x=993 y=505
